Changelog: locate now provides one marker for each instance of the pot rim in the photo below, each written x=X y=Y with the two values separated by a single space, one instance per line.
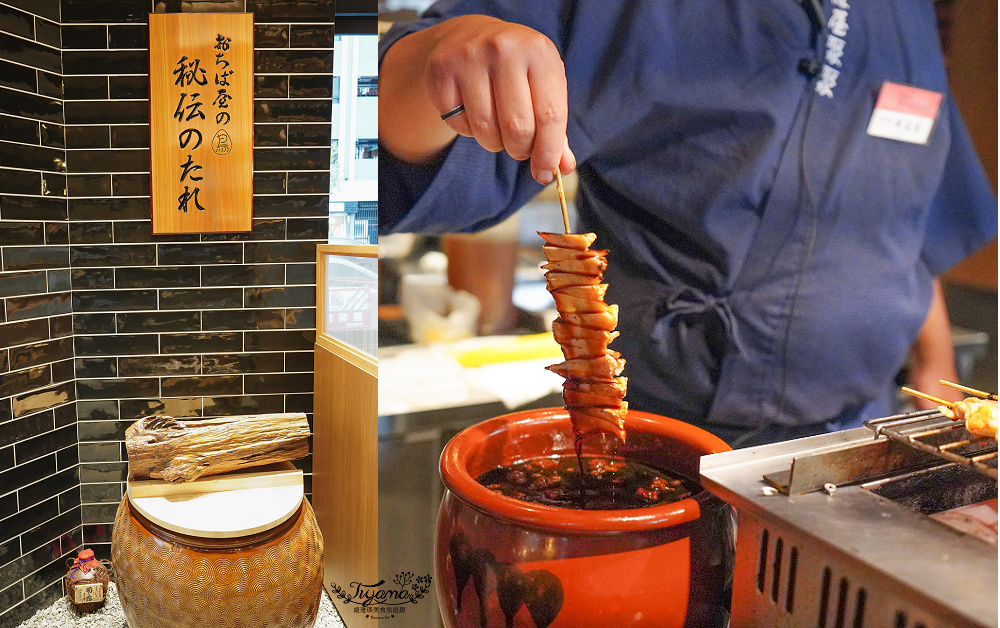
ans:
x=461 y=483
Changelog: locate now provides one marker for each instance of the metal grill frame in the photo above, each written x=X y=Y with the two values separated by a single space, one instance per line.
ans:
x=913 y=427
x=826 y=590
x=915 y=570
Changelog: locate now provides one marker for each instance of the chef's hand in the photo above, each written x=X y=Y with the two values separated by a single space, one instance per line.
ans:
x=509 y=77
x=933 y=355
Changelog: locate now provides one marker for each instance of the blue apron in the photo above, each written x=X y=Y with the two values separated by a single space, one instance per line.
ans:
x=770 y=258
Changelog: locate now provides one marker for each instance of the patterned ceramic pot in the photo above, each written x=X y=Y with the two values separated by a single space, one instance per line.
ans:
x=505 y=563
x=273 y=578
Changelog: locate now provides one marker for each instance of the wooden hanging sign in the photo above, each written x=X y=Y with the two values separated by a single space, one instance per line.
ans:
x=201 y=121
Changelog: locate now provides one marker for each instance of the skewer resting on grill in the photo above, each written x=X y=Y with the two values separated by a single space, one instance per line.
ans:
x=923 y=395
x=981 y=416
x=972 y=391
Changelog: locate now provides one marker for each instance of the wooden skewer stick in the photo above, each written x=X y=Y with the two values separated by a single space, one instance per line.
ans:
x=562 y=199
x=937 y=400
x=971 y=391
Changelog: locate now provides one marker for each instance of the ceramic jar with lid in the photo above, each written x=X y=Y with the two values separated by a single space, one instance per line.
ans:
x=250 y=558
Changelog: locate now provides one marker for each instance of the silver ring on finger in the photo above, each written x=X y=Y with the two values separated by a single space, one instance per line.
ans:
x=453 y=112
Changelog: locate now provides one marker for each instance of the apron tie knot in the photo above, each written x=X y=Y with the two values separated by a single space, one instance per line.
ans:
x=687 y=301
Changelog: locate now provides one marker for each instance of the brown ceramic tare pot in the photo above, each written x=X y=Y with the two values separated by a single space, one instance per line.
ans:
x=242 y=550
x=506 y=563
x=181 y=581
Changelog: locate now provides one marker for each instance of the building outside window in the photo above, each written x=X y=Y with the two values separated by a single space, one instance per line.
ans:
x=366 y=149
x=368 y=86
x=354 y=173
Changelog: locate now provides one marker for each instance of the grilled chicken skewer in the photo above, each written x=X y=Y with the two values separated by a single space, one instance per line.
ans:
x=594 y=390
x=980 y=415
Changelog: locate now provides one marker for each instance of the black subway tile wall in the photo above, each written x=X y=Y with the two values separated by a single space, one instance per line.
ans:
x=40 y=503
x=167 y=324
x=103 y=323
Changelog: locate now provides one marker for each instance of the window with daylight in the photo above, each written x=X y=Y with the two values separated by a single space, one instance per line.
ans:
x=366 y=149
x=353 y=153
x=368 y=86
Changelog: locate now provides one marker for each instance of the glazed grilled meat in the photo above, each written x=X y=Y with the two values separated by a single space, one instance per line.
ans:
x=594 y=390
x=980 y=415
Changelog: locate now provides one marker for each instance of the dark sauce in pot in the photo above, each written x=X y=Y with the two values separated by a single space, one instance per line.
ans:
x=606 y=483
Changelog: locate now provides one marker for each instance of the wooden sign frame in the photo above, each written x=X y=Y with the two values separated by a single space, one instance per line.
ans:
x=201 y=122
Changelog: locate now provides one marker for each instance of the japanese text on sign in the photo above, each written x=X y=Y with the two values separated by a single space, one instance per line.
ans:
x=201 y=123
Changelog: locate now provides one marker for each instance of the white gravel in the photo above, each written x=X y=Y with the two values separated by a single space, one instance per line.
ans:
x=62 y=614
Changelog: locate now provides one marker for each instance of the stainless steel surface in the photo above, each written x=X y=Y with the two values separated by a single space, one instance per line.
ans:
x=932 y=432
x=409 y=492
x=848 y=557
x=851 y=463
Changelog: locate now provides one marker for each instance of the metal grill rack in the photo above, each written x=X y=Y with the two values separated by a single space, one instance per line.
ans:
x=934 y=433
x=828 y=527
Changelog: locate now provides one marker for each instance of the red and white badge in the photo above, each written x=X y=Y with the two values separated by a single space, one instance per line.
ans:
x=904 y=113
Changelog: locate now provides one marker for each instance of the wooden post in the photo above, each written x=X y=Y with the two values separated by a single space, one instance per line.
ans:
x=180 y=451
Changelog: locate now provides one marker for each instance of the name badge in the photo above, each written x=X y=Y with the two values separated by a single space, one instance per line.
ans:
x=904 y=113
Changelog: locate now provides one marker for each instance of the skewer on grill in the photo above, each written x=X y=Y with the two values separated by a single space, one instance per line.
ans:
x=979 y=415
x=972 y=391
x=939 y=401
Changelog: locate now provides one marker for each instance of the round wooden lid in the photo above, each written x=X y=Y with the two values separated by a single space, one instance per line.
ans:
x=227 y=505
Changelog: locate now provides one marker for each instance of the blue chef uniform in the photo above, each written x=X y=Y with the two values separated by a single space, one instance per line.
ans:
x=773 y=262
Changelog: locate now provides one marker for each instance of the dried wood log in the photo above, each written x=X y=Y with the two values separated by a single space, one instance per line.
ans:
x=181 y=451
